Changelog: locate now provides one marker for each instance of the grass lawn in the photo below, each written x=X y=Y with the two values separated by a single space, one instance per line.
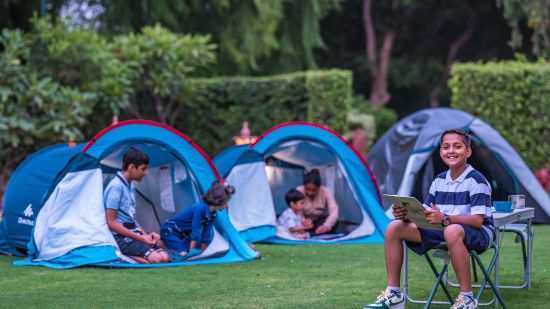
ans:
x=330 y=276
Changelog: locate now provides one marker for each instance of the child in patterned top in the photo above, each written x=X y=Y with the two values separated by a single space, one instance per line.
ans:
x=292 y=219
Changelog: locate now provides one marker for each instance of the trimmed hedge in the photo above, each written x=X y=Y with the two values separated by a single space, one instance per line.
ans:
x=514 y=97
x=216 y=107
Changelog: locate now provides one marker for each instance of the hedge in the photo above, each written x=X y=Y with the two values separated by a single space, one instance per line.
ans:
x=512 y=96
x=214 y=110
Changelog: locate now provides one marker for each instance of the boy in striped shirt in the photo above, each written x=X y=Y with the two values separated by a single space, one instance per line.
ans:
x=460 y=201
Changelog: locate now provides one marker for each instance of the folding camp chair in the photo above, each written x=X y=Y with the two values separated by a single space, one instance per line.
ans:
x=441 y=251
x=521 y=230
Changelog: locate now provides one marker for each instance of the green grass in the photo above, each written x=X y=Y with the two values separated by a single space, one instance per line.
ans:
x=331 y=276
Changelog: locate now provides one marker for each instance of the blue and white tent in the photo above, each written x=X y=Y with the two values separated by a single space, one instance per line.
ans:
x=24 y=192
x=264 y=171
x=406 y=159
x=69 y=226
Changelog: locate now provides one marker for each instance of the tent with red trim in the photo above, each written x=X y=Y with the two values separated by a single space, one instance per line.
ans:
x=69 y=225
x=264 y=171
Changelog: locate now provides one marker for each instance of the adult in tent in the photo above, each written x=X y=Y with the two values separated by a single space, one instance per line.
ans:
x=263 y=172
x=405 y=159
x=320 y=205
x=120 y=204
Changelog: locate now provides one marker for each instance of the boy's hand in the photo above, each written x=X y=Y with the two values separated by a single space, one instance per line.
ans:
x=399 y=212
x=307 y=223
x=152 y=238
x=434 y=216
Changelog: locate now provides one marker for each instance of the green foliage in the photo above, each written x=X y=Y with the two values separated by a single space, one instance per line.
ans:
x=216 y=108
x=514 y=97
x=537 y=13
x=159 y=63
x=384 y=117
x=35 y=110
x=80 y=59
x=254 y=36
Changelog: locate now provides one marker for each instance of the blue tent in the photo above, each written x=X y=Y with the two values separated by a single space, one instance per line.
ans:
x=69 y=225
x=24 y=192
x=264 y=171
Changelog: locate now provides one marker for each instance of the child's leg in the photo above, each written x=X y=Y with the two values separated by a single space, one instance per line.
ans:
x=454 y=236
x=396 y=232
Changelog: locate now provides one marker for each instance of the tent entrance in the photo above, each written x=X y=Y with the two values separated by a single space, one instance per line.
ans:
x=285 y=166
x=168 y=188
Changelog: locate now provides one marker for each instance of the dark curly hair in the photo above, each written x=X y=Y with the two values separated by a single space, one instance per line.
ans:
x=218 y=194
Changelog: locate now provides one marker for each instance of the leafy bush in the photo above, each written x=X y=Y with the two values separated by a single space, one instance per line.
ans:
x=216 y=108
x=512 y=96
x=35 y=110
x=159 y=63
x=384 y=117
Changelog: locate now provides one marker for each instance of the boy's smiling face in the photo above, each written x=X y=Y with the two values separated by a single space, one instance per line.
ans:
x=453 y=151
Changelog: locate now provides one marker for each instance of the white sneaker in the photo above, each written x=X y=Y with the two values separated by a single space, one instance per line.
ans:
x=464 y=302
x=388 y=299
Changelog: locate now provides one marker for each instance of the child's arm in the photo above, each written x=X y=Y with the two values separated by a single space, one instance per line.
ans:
x=435 y=216
x=297 y=229
x=122 y=230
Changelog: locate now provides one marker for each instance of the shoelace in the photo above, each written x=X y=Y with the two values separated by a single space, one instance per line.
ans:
x=383 y=296
x=459 y=302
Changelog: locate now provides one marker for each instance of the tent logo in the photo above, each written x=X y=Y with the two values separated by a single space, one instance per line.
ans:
x=28 y=211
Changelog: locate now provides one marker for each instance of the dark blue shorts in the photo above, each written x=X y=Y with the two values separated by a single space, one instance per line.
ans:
x=475 y=239
x=173 y=241
x=131 y=247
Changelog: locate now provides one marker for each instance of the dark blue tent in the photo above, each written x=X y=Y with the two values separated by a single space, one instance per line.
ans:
x=26 y=188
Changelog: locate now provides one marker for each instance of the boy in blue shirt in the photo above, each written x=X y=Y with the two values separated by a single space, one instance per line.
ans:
x=460 y=201
x=190 y=231
x=120 y=204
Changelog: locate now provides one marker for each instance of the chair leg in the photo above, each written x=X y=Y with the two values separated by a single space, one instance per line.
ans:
x=439 y=282
x=474 y=268
x=487 y=276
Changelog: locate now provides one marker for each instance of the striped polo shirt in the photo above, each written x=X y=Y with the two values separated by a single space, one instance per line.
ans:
x=469 y=194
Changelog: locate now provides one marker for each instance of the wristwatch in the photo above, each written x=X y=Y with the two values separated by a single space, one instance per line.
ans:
x=446 y=220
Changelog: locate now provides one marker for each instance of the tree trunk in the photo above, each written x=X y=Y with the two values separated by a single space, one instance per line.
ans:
x=452 y=53
x=380 y=94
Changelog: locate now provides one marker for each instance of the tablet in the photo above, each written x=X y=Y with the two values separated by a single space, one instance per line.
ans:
x=414 y=210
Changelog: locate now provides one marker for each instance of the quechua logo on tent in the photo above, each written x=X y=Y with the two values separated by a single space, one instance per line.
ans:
x=29 y=213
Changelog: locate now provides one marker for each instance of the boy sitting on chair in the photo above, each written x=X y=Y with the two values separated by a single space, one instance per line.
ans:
x=460 y=201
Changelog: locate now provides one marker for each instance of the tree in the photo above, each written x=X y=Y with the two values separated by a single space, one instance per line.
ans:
x=253 y=36
x=416 y=40
x=160 y=62
x=537 y=13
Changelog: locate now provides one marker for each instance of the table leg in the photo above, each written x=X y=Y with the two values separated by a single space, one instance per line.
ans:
x=529 y=251
x=497 y=262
